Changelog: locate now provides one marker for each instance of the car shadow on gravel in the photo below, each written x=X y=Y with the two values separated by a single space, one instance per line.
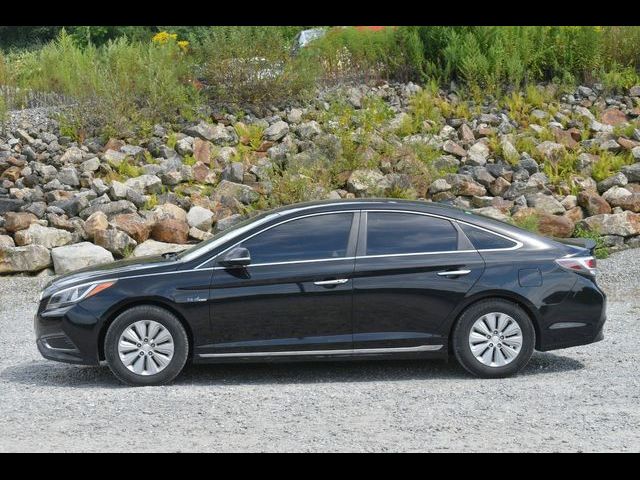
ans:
x=48 y=374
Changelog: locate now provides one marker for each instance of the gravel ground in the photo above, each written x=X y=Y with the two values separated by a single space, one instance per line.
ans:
x=578 y=399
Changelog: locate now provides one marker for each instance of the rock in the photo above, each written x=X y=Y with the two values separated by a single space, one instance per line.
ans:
x=276 y=131
x=614 y=194
x=15 y=221
x=632 y=172
x=234 y=172
x=574 y=214
x=361 y=182
x=96 y=221
x=199 y=234
x=491 y=212
x=91 y=165
x=623 y=224
x=544 y=203
x=118 y=191
x=46 y=236
x=202 y=151
x=114 y=157
x=613 y=116
x=80 y=255
x=227 y=222
x=170 y=230
x=169 y=210
x=550 y=150
x=635 y=152
x=145 y=183
x=610 y=146
x=439 y=185
x=499 y=187
x=478 y=154
x=593 y=203
x=569 y=202
x=464 y=185
x=237 y=191
x=452 y=147
x=116 y=241
x=6 y=242
x=617 y=180
x=72 y=155
x=555 y=225
x=509 y=152
x=69 y=176
x=133 y=225
x=30 y=258
x=151 y=247
x=634 y=91
x=294 y=115
x=202 y=173
x=112 y=208
x=204 y=131
x=628 y=202
x=12 y=174
x=184 y=146
x=10 y=205
x=308 y=130
x=200 y=218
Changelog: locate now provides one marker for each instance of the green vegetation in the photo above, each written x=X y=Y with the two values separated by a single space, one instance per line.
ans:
x=124 y=79
x=527 y=222
x=601 y=251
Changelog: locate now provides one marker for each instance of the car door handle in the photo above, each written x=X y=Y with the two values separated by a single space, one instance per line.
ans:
x=454 y=272
x=338 y=281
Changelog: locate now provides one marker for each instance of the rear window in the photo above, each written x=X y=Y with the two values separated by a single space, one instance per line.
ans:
x=483 y=240
x=401 y=233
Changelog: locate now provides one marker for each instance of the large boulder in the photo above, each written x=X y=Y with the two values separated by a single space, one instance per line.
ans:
x=593 y=203
x=169 y=210
x=363 y=182
x=109 y=209
x=15 y=221
x=231 y=190
x=6 y=241
x=632 y=172
x=145 y=184
x=200 y=218
x=30 y=258
x=170 y=230
x=560 y=226
x=544 y=203
x=48 y=237
x=276 y=131
x=133 y=225
x=77 y=256
x=96 y=221
x=151 y=247
x=116 y=241
x=625 y=224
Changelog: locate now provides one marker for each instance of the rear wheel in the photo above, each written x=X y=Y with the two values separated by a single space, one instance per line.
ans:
x=493 y=338
x=146 y=345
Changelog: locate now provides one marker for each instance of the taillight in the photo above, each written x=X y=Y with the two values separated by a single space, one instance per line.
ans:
x=584 y=265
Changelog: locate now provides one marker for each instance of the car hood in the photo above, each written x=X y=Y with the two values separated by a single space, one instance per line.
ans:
x=111 y=270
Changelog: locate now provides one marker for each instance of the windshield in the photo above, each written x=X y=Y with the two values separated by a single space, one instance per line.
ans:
x=221 y=238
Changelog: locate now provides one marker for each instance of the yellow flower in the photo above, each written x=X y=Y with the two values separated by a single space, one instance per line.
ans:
x=184 y=45
x=164 y=37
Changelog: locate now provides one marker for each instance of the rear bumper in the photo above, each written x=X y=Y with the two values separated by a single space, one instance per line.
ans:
x=578 y=320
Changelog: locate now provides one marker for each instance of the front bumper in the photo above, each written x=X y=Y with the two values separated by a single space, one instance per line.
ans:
x=67 y=335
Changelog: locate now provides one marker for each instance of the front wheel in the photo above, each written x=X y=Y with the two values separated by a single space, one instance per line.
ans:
x=146 y=345
x=493 y=338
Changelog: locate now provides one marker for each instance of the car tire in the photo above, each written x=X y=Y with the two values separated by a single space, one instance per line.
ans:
x=161 y=363
x=495 y=355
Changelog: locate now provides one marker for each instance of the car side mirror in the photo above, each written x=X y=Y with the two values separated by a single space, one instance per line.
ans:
x=237 y=257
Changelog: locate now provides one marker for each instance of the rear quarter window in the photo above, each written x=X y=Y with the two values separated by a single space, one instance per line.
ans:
x=483 y=240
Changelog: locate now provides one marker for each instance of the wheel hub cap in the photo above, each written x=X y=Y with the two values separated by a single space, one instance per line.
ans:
x=495 y=339
x=146 y=347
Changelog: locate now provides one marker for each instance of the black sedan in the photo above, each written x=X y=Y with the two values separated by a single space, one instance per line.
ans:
x=331 y=280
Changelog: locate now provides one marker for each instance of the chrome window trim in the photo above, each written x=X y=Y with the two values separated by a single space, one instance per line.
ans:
x=350 y=351
x=269 y=228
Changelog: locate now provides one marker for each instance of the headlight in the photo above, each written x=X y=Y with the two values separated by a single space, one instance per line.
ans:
x=72 y=295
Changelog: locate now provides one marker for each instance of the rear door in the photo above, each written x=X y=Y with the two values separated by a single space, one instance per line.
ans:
x=412 y=269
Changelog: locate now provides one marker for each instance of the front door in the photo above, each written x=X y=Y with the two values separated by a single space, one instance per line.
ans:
x=295 y=295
